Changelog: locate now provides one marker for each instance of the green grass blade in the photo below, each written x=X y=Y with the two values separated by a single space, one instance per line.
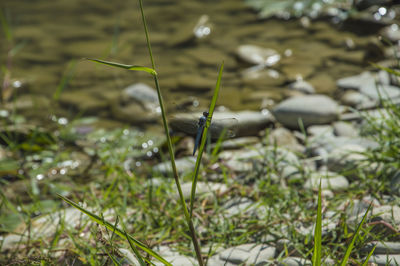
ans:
x=204 y=138
x=134 y=249
x=316 y=258
x=119 y=232
x=353 y=240
x=170 y=148
x=389 y=70
x=69 y=73
x=6 y=27
x=128 y=67
x=365 y=263
x=112 y=258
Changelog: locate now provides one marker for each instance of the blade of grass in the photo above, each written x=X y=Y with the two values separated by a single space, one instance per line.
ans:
x=389 y=70
x=132 y=245
x=316 y=258
x=365 y=263
x=112 y=258
x=128 y=67
x=119 y=232
x=355 y=236
x=69 y=73
x=204 y=138
x=170 y=148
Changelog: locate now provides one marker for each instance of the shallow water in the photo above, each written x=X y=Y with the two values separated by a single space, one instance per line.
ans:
x=54 y=33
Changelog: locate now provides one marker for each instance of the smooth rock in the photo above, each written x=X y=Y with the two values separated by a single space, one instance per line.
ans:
x=311 y=109
x=383 y=247
x=380 y=91
x=344 y=129
x=355 y=82
x=395 y=183
x=183 y=165
x=355 y=99
x=385 y=260
x=387 y=213
x=329 y=180
x=294 y=261
x=391 y=33
x=283 y=137
x=202 y=188
x=245 y=123
x=138 y=103
x=260 y=78
x=237 y=206
x=320 y=131
x=346 y=157
x=256 y=55
x=302 y=86
x=251 y=254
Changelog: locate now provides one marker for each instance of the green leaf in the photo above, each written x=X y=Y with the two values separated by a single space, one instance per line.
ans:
x=369 y=256
x=129 y=67
x=316 y=258
x=355 y=236
x=389 y=70
x=204 y=138
x=119 y=232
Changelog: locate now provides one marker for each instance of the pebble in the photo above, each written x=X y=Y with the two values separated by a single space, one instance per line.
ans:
x=385 y=260
x=311 y=109
x=302 y=86
x=329 y=180
x=256 y=55
x=252 y=254
x=344 y=129
x=183 y=165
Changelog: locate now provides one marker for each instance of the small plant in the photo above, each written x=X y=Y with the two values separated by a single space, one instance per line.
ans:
x=188 y=212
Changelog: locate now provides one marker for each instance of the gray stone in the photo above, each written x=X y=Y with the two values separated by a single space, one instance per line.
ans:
x=391 y=32
x=344 y=129
x=248 y=253
x=245 y=123
x=320 y=131
x=383 y=247
x=294 y=261
x=256 y=55
x=183 y=165
x=395 y=183
x=385 y=260
x=202 y=188
x=329 y=180
x=283 y=137
x=302 y=86
x=137 y=103
x=345 y=157
x=311 y=109
x=387 y=213
x=355 y=82
x=141 y=93
x=238 y=206
x=380 y=91
x=356 y=99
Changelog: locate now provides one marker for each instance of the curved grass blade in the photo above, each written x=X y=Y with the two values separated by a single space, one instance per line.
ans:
x=316 y=258
x=353 y=240
x=117 y=231
x=204 y=138
x=129 y=67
